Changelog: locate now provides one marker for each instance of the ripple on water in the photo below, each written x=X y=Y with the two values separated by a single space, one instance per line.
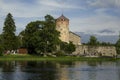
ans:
x=92 y=69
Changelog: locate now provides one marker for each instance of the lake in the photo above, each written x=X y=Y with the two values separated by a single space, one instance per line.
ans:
x=53 y=70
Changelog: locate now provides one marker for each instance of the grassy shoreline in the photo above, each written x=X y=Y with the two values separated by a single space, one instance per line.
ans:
x=62 y=58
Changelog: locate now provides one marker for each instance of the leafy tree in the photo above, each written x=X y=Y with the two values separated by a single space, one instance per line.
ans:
x=1 y=46
x=67 y=47
x=71 y=48
x=29 y=37
x=20 y=38
x=50 y=35
x=8 y=36
x=93 y=41
x=41 y=36
x=118 y=46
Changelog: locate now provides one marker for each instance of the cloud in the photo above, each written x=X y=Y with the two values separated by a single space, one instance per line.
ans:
x=23 y=10
x=105 y=16
x=37 y=9
x=104 y=3
x=107 y=31
x=57 y=4
x=95 y=24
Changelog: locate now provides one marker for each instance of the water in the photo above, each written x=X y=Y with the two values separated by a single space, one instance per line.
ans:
x=77 y=70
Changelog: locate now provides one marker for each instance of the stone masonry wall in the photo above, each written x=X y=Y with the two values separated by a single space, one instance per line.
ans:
x=62 y=25
x=95 y=51
x=74 y=38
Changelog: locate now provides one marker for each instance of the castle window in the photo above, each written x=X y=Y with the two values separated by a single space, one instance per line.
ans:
x=62 y=19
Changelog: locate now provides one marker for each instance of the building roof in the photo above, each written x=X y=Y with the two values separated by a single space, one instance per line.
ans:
x=62 y=17
x=74 y=33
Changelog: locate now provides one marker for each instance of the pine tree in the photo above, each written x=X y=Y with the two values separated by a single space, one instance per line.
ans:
x=9 y=38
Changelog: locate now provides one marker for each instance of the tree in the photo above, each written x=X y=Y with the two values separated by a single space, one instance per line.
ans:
x=8 y=36
x=50 y=35
x=1 y=46
x=93 y=41
x=67 y=47
x=41 y=36
x=106 y=44
x=29 y=36
x=71 y=48
x=118 y=46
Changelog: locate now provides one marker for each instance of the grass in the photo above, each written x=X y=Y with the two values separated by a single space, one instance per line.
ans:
x=27 y=57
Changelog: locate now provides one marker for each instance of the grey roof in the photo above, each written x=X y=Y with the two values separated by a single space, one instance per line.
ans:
x=62 y=17
x=74 y=33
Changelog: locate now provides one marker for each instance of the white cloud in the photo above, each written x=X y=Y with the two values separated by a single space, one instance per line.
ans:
x=20 y=10
x=100 y=20
x=38 y=9
x=94 y=24
x=104 y=3
x=57 y=4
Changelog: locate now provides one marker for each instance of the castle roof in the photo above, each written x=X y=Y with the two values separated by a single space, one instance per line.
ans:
x=74 y=33
x=62 y=17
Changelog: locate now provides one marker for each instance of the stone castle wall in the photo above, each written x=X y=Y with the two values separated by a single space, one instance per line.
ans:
x=74 y=38
x=95 y=51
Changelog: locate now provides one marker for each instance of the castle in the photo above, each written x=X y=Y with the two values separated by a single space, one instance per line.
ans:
x=62 y=25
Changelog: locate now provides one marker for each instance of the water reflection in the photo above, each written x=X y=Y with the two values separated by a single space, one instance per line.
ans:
x=45 y=70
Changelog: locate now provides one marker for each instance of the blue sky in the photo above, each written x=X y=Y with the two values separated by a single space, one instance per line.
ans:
x=101 y=17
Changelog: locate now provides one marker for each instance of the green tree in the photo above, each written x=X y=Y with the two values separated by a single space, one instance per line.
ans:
x=71 y=48
x=20 y=38
x=1 y=46
x=106 y=44
x=67 y=47
x=93 y=41
x=8 y=36
x=29 y=36
x=41 y=36
x=50 y=35
x=118 y=46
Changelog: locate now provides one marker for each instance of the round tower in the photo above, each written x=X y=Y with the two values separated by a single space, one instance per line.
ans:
x=62 y=25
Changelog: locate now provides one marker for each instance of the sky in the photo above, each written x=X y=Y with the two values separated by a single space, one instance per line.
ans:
x=101 y=17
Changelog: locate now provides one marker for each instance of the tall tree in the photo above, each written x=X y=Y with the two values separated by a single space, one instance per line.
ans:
x=93 y=41
x=30 y=36
x=8 y=35
x=118 y=45
x=50 y=34
x=41 y=36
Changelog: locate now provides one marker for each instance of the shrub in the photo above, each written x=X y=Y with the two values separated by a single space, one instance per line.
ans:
x=1 y=50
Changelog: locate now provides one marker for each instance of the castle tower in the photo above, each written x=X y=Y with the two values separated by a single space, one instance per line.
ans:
x=62 y=25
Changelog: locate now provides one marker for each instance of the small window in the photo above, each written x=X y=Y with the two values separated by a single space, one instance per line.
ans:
x=62 y=19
